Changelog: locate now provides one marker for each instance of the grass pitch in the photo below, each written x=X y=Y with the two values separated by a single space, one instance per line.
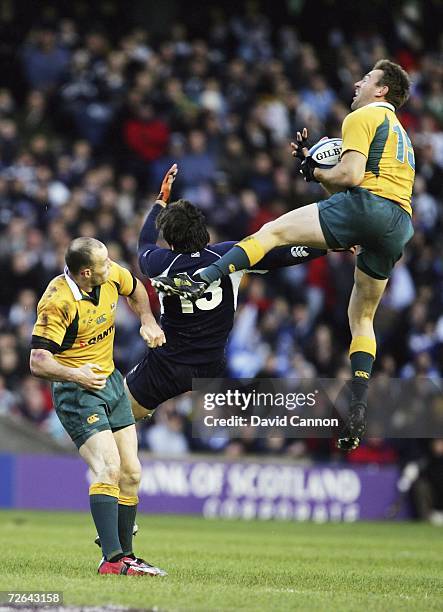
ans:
x=217 y=565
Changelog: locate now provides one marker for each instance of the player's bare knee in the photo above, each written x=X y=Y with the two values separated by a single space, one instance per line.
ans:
x=362 y=293
x=131 y=475
x=271 y=235
x=110 y=473
x=133 y=478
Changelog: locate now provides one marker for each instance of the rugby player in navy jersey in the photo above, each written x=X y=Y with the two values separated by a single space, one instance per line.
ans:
x=196 y=331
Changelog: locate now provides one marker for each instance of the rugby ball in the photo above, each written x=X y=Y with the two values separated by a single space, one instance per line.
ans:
x=326 y=152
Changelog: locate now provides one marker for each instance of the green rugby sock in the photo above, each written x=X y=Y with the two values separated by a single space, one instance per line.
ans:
x=242 y=256
x=103 y=500
x=127 y=511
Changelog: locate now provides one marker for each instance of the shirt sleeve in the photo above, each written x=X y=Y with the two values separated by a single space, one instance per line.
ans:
x=357 y=132
x=152 y=259
x=282 y=257
x=149 y=232
x=125 y=281
x=53 y=319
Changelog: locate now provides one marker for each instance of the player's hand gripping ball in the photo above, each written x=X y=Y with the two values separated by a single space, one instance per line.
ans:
x=324 y=154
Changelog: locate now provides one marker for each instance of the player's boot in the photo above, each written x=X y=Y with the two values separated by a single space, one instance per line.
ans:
x=354 y=427
x=134 y=533
x=125 y=566
x=150 y=569
x=180 y=284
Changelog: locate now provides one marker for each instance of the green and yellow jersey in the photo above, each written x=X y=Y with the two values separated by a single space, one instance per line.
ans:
x=78 y=327
x=375 y=131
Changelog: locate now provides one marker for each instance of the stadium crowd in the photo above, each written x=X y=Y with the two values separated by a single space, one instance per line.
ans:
x=84 y=146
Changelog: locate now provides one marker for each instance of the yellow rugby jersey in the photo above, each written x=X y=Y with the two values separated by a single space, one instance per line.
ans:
x=375 y=131
x=78 y=327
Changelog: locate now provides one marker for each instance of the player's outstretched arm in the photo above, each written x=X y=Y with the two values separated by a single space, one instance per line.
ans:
x=150 y=331
x=147 y=241
x=282 y=257
x=149 y=233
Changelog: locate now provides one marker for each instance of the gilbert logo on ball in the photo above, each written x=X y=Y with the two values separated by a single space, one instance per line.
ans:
x=326 y=152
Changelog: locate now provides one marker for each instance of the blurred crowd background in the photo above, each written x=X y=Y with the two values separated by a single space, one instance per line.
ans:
x=98 y=100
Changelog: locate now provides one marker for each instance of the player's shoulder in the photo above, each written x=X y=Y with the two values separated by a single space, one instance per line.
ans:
x=116 y=270
x=57 y=295
x=121 y=279
x=57 y=289
x=370 y=112
x=119 y=273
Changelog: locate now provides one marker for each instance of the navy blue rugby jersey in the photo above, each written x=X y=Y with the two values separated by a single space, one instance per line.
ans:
x=197 y=332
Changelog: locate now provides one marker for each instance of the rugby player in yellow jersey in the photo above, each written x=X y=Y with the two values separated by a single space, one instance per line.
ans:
x=72 y=346
x=371 y=207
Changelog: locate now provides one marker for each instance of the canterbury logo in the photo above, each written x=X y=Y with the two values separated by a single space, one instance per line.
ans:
x=361 y=374
x=299 y=251
x=93 y=418
x=231 y=268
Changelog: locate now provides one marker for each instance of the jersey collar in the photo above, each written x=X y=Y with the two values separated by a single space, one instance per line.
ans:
x=384 y=105
x=72 y=286
x=78 y=295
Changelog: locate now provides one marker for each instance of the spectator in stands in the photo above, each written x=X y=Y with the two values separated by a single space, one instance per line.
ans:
x=8 y=399
x=44 y=61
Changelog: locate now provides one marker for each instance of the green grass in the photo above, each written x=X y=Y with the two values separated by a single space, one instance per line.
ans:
x=231 y=565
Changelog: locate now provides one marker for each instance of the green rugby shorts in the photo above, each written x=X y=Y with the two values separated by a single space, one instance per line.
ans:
x=84 y=413
x=358 y=217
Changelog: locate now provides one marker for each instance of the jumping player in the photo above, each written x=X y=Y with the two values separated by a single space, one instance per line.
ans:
x=370 y=206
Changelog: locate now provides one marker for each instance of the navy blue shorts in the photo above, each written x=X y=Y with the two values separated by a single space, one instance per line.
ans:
x=156 y=378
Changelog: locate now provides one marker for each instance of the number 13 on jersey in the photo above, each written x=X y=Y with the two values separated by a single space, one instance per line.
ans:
x=211 y=298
